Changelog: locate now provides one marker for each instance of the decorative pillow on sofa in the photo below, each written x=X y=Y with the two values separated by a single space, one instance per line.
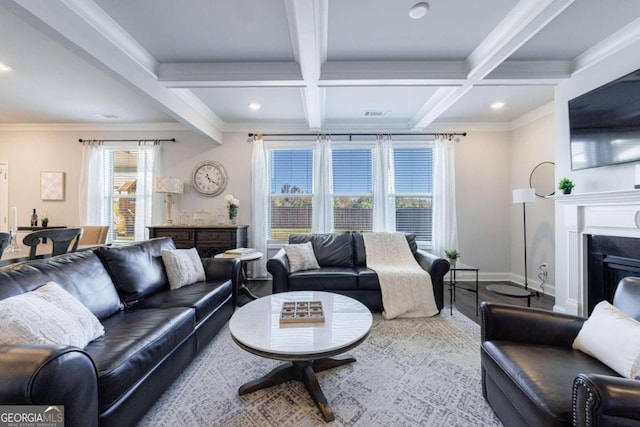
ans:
x=613 y=338
x=183 y=267
x=301 y=257
x=47 y=315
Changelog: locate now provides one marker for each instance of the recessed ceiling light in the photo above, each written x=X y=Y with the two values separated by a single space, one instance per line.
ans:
x=4 y=67
x=419 y=10
x=497 y=105
x=107 y=116
x=254 y=106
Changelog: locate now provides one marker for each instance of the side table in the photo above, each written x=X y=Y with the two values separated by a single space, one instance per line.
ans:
x=452 y=283
x=242 y=287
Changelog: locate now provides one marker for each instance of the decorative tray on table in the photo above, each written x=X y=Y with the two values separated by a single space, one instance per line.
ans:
x=302 y=312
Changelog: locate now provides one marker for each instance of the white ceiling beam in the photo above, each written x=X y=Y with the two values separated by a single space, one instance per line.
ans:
x=439 y=102
x=622 y=38
x=84 y=28
x=522 y=22
x=232 y=74
x=531 y=70
x=308 y=27
x=393 y=70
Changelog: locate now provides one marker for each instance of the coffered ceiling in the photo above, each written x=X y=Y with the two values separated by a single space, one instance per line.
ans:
x=311 y=64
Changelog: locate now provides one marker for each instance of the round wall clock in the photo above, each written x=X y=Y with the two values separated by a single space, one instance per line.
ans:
x=209 y=178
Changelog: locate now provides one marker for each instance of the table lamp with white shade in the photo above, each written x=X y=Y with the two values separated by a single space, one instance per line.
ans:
x=169 y=186
x=524 y=196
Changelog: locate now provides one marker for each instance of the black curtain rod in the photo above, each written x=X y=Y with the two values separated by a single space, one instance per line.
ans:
x=251 y=135
x=126 y=140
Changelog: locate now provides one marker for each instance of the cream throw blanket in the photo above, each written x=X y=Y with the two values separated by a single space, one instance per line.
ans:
x=406 y=288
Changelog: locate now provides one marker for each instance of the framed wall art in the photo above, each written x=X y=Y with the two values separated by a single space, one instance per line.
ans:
x=52 y=185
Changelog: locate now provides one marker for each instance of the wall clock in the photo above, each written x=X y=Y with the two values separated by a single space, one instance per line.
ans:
x=209 y=178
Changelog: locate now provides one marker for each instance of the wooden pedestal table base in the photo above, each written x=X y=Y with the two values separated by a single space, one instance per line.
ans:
x=255 y=327
x=304 y=372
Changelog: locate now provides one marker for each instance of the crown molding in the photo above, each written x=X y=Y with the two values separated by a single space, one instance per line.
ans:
x=532 y=116
x=64 y=127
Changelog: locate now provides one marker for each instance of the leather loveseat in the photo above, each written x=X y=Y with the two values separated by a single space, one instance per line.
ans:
x=343 y=269
x=531 y=376
x=151 y=333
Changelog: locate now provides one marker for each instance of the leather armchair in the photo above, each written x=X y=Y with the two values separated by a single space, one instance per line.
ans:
x=532 y=376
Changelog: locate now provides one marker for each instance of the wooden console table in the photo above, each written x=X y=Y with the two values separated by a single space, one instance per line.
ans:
x=210 y=240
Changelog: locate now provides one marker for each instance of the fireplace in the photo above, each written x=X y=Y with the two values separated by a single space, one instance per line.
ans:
x=610 y=258
x=597 y=237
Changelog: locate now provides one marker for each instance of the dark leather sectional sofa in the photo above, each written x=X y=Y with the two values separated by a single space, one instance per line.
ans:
x=343 y=263
x=151 y=333
x=532 y=377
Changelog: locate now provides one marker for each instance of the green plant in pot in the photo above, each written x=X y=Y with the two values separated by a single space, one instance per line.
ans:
x=452 y=255
x=45 y=221
x=566 y=185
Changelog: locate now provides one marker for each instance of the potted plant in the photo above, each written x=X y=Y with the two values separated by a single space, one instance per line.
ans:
x=452 y=255
x=45 y=222
x=566 y=185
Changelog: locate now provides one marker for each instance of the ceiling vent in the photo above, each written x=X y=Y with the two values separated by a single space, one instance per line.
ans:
x=376 y=113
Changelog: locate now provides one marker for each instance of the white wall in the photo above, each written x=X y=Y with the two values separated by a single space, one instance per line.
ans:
x=531 y=145
x=483 y=174
x=29 y=152
x=483 y=201
x=619 y=177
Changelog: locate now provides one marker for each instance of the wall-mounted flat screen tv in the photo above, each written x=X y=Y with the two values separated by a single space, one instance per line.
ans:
x=605 y=124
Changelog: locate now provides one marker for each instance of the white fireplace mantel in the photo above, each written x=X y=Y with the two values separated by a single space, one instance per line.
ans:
x=613 y=213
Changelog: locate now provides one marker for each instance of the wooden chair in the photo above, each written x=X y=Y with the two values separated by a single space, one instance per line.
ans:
x=5 y=239
x=93 y=234
x=62 y=239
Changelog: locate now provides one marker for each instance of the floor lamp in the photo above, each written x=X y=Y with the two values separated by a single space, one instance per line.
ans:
x=524 y=196
x=168 y=186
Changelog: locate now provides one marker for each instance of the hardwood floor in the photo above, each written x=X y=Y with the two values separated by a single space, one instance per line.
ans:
x=464 y=303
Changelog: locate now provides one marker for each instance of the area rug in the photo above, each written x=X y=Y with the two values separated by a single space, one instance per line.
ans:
x=409 y=372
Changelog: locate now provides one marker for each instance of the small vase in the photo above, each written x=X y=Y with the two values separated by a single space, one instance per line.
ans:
x=566 y=191
x=452 y=262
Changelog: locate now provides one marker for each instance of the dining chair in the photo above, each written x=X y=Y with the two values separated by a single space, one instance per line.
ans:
x=64 y=240
x=5 y=239
x=93 y=234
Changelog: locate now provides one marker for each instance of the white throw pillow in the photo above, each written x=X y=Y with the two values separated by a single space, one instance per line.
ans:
x=183 y=266
x=301 y=257
x=613 y=338
x=47 y=315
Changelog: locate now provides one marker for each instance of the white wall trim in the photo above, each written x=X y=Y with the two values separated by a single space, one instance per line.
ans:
x=532 y=116
x=62 y=127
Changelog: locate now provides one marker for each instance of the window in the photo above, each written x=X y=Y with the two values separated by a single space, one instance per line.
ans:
x=352 y=189
x=128 y=191
x=413 y=179
x=291 y=192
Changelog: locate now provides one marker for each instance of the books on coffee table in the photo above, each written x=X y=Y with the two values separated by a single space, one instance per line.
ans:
x=301 y=312
x=240 y=251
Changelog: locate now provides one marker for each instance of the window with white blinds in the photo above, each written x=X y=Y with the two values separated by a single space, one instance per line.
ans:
x=291 y=192
x=121 y=168
x=352 y=189
x=413 y=180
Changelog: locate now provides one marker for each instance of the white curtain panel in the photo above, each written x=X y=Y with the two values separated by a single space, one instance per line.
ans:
x=322 y=217
x=92 y=184
x=445 y=228
x=384 y=202
x=144 y=189
x=157 y=207
x=259 y=207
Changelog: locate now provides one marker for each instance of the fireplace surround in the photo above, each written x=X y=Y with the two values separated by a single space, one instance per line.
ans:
x=585 y=220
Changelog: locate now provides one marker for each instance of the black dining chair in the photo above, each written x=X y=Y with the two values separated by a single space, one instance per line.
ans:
x=64 y=240
x=5 y=239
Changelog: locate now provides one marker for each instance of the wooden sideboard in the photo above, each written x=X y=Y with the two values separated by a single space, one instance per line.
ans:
x=208 y=239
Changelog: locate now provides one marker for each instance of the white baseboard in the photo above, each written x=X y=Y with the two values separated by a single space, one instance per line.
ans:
x=549 y=289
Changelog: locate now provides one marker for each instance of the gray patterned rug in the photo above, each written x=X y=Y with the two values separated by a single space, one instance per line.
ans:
x=409 y=372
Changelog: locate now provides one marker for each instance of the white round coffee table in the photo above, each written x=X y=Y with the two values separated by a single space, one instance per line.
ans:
x=307 y=347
